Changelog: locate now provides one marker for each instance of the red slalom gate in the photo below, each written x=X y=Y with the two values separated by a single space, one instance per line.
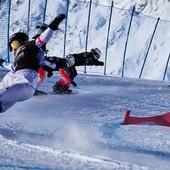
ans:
x=163 y=120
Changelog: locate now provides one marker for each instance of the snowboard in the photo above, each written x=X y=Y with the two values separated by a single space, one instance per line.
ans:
x=63 y=93
x=42 y=93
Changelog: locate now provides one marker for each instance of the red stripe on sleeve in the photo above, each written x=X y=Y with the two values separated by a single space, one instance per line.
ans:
x=40 y=41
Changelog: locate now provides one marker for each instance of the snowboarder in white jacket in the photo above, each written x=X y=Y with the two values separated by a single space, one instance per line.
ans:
x=29 y=57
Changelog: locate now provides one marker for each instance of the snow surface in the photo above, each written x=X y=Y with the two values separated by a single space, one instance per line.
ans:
x=154 y=8
x=84 y=131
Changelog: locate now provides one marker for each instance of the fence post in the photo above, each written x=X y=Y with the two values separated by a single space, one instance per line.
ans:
x=166 y=67
x=107 y=41
x=0 y=9
x=124 y=55
x=28 y=24
x=65 y=34
x=9 y=12
x=149 y=47
x=45 y=11
x=88 y=25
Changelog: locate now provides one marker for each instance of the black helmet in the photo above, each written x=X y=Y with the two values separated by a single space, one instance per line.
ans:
x=20 y=37
x=39 y=29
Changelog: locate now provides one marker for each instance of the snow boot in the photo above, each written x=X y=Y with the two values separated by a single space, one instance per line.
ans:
x=60 y=89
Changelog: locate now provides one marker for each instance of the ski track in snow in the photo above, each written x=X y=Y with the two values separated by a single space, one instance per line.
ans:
x=84 y=131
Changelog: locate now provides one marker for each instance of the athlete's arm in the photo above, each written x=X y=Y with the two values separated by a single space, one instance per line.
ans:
x=6 y=65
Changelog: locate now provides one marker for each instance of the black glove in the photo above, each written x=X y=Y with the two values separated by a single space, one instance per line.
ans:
x=73 y=83
x=49 y=74
x=1 y=62
x=49 y=70
x=60 y=62
x=55 y=23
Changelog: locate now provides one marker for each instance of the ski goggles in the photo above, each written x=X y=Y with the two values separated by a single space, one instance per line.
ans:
x=15 y=45
x=44 y=27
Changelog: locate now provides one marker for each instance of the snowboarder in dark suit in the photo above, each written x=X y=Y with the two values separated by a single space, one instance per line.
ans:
x=67 y=66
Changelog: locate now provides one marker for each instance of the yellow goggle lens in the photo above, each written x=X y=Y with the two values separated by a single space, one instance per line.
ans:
x=15 y=44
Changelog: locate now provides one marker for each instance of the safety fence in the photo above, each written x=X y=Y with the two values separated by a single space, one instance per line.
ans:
x=132 y=44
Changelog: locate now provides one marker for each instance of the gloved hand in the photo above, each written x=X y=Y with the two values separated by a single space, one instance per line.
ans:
x=55 y=23
x=49 y=74
x=73 y=83
x=48 y=69
x=2 y=62
x=60 y=62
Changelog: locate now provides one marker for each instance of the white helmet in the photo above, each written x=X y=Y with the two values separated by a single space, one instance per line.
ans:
x=96 y=53
x=70 y=60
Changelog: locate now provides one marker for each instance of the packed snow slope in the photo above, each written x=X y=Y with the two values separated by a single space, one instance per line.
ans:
x=158 y=8
x=84 y=131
